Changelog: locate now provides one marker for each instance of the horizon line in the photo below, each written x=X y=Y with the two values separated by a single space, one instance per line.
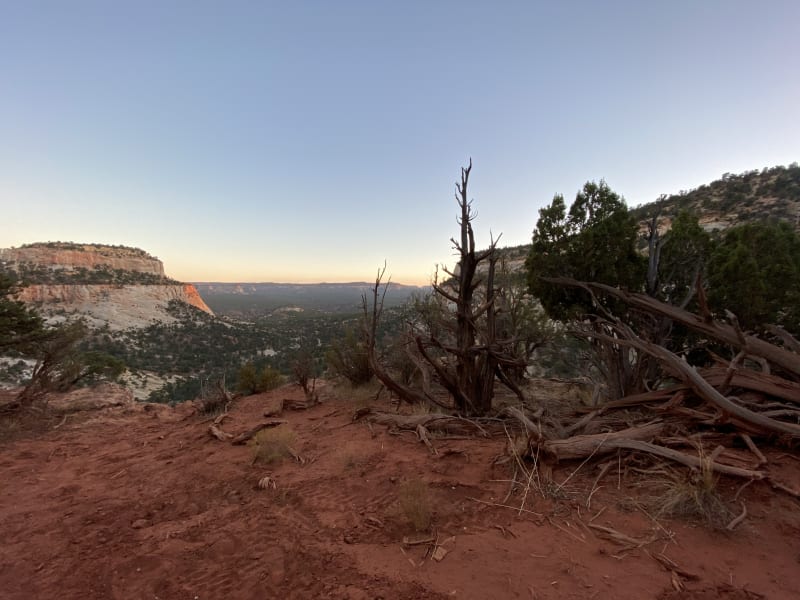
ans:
x=349 y=282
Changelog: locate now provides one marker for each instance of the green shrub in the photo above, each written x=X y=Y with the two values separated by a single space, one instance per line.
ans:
x=347 y=357
x=251 y=380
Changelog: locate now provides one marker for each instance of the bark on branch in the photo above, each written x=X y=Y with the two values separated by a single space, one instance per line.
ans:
x=728 y=334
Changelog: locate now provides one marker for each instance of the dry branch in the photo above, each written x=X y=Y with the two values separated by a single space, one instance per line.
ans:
x=584 y=446
x=250 y=433
x=728 y=334
x=422 y=434
x=581 y=446
x=643 y=398
x=533 y=430
x=762 y=460
x=217 y=433
x=733 y=524
x=702 y=387
x=673 y=567
x=618 y=537
x=687 y=459
x=783 y=488
x=771 y=385
x=787 y=338
x=431 y=422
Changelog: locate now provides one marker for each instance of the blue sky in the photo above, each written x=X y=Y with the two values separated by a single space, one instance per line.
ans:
x=311 y=141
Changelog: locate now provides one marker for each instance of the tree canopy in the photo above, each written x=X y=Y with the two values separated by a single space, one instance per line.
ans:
x=594 y=241
x=18 y=324
x=754 y=271
x=685 y=252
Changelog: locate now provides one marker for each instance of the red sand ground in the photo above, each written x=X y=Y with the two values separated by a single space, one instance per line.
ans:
x=131 y=504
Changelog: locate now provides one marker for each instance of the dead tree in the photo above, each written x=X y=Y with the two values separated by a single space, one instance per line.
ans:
x=467 y=355
x=371 y=314
x=469 y=367
x=303 y=372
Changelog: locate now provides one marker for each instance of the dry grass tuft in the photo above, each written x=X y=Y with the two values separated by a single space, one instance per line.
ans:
x=9 y=428
x=272 y=445
x=360 y=396
x=214 y=398
x=213 y=405
x=352 y=457
x=415 y=504
x=692 y=496
x=424 y=409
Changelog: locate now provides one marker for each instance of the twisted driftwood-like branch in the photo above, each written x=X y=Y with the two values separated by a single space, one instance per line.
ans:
x=703 y=388
x=431 y=422
x=727 y=334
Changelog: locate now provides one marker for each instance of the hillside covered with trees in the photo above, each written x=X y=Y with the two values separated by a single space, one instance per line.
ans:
x=734 y=199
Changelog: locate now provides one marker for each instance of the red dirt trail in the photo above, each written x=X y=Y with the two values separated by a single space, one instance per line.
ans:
x=140 y=503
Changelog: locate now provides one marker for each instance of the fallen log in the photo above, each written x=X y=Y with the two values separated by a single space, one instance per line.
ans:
x=582 y=446
x=661 y=395
x=250 y=433
x=633 y=438
x=431 y=422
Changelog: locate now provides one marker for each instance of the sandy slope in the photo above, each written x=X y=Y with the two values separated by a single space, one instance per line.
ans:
x=134 y=503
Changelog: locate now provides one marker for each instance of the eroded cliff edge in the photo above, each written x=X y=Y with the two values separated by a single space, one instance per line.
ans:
x=118 y=306
x=114 y=286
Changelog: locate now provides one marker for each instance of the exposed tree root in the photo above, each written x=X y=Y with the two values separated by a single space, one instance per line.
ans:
x=430 y=422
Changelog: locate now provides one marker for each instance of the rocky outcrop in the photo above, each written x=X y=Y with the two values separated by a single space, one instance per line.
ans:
x=63 y=279
x=118 y=306
x=193 y=297
x=70 y=256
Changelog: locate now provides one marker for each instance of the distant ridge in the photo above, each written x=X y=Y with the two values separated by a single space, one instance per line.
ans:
x=249 y=300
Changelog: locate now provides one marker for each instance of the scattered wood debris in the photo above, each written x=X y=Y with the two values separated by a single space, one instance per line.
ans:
x=418 y=540
x=434 y=422
x=710 y=420
x=267 y=483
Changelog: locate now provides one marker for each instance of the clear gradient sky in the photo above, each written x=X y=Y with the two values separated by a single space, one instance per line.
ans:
x=310 y=141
